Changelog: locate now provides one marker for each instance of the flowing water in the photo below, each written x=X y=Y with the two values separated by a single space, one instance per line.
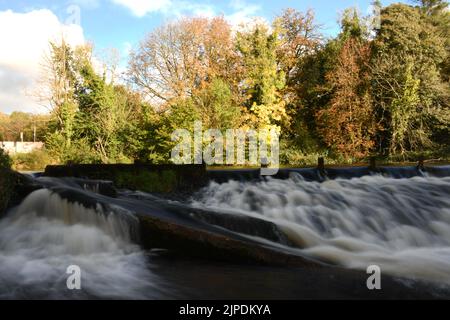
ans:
x=401 y=225
x=46 y=234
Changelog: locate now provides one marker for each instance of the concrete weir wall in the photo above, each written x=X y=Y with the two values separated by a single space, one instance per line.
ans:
x=144 y=177
x=12 y=148
x=14 y=187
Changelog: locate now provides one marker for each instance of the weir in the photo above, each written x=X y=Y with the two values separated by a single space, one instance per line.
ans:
x=321 y=174
x=45 y=234
x=174 y=225
x=394 y=218
x=402 y=225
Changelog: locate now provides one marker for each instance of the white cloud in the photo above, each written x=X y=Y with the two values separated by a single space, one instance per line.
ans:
x=238 y=4
x=25 y=40
x=203 y=11
x=86 y=4
x=244 y=15
x=141 y=8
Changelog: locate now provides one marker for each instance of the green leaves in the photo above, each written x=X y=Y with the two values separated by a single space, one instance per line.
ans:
x=263 y=81
x=408 y=86
x=98 y=120
x=385 y=91
x=5 y=160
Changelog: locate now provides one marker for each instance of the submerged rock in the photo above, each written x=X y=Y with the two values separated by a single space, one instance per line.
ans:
x=192 y=242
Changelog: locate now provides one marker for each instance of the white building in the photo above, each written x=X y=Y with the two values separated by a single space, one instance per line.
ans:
x=12 y=148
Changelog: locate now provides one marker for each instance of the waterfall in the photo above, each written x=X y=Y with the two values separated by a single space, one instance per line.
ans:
x=46 y=234
x=401 y=225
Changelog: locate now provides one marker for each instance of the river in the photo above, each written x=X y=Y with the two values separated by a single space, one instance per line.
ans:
x=401 y=224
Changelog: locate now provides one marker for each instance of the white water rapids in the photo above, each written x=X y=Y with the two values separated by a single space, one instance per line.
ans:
x=401 y=225
x=46 y=234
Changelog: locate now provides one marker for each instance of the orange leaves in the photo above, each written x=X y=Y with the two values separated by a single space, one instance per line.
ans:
x=182 y=57
x=347 y=123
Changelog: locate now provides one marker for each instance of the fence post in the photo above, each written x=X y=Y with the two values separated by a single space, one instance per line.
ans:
x=321 y=165
x=373 y=164
x=421 y=164
x=264 y=163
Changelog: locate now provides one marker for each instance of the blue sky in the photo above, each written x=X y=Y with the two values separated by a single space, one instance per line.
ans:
x=109 y=23
x=26 y=27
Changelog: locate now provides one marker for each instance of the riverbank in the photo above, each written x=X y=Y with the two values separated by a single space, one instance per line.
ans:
x=6 y=188
x=14 y=187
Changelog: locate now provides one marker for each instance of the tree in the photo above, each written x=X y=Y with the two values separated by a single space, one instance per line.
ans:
x=334 y=98
x=57 y=86
x=263 y=80
x=159 y=127
x=408 y=55
x=107 y=114
x=353 y=26
x=217 y=107
x=182 y=57
x=347 y=124
x=432 y=7
x=437 y=13
x=403 y=110
x=104 y=119
x=299 y=37
x=32 y=126
x=299 y=40
x=213 y=106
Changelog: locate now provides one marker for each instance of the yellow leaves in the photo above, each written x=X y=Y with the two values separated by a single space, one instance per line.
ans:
x=267 y=116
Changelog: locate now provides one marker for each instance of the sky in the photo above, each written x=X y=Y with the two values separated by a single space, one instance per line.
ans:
x=26 y=27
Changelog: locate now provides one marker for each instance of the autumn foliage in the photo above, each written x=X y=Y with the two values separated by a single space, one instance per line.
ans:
x=348 y=122
x=373 y=89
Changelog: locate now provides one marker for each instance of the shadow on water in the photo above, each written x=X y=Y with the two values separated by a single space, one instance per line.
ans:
x=204 y=280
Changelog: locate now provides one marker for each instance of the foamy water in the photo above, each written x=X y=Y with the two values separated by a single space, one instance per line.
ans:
x=401 y=225
x=46 y=234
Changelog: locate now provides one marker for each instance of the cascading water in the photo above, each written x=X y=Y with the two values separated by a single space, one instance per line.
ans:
x=401 y=225
x=46 y=234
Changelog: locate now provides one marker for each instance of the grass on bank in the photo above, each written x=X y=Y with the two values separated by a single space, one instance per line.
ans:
x=33 y=161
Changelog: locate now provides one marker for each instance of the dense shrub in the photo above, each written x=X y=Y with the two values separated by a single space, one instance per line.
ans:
x=34 y=161
x=5 y=160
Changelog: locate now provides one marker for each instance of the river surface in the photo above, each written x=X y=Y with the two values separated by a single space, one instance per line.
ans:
x=401 y=224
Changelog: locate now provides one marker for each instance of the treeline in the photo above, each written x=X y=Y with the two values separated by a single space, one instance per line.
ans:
x=373 y=90
x=30 y=125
